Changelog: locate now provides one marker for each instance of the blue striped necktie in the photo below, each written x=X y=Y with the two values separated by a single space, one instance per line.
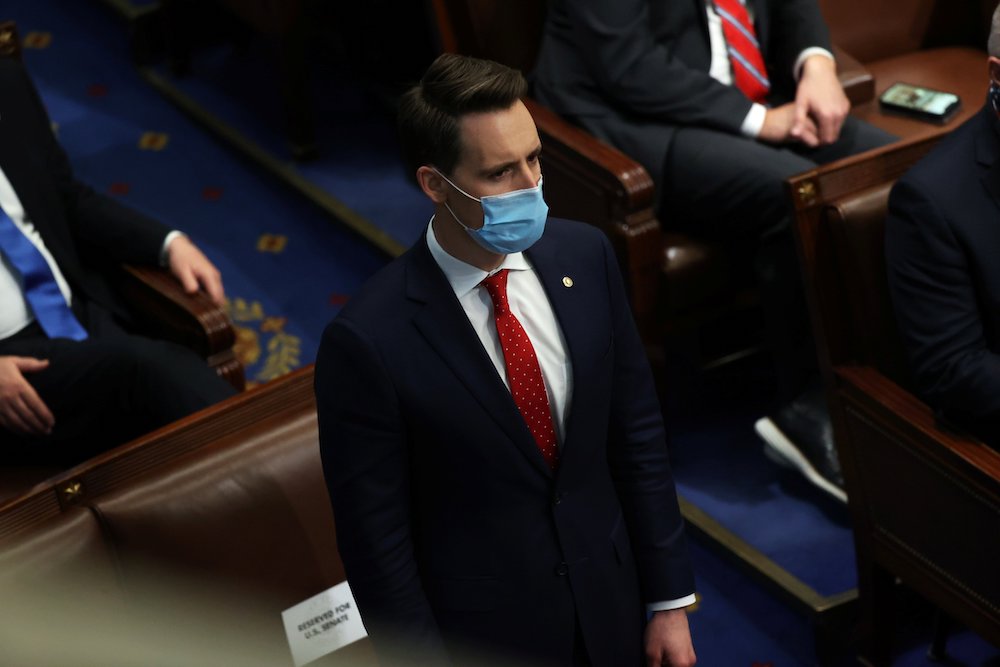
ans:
x=40 y=287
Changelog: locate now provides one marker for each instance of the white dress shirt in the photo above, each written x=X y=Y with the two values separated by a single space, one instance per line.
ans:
x=721 y=68
x=530 y=305
x=15 y=314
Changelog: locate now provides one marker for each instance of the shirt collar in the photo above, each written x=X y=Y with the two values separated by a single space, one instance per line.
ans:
x=464 y=277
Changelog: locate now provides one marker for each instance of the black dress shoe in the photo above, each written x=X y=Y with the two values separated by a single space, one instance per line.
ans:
x=799 y=436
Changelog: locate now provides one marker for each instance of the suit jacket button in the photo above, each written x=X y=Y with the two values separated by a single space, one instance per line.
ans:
x=557 y=498
x=562 y=569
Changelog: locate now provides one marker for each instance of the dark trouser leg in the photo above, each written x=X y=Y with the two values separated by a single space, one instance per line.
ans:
x=105 y=391
x=731 y=189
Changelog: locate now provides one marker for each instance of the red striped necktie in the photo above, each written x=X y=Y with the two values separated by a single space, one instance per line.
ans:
x=749 y=72
x=523 y=372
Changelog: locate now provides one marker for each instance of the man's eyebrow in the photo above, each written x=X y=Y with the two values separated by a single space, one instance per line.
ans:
x=486 y=171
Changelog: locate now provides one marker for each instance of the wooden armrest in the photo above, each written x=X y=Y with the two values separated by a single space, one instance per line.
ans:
x=588 y=180
x=926 y=500
x=858 y=82
x=161 y=305
x=629 y=186
x=903 y=412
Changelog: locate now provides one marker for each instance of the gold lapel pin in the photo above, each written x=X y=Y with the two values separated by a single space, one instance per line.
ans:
x=567 y=281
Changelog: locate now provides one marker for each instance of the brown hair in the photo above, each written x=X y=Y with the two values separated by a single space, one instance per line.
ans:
x=452 y=86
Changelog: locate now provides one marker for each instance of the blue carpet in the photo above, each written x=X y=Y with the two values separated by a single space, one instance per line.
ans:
x=359 y=162
x=287 y=267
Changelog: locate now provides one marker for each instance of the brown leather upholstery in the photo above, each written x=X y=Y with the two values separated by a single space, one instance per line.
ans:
x=857 y=80
x=959 y=70
x=69 y=541
x=268 y=499
x=925 y=500
x=873 y=29
x=228 y=506
x=934 y=43
x=17 y=480
x=856 y=224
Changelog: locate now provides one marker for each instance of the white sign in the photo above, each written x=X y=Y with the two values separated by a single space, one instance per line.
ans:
x=322 y=624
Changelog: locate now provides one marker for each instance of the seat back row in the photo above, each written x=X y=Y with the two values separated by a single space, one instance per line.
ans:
x=226 y=506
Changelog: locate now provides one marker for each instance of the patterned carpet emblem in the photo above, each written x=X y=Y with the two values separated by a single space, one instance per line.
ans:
x=153 y=141
x=272 y=243
x=37 y=40
x=263 y=346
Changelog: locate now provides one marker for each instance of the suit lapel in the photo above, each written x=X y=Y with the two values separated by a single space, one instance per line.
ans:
x=19 y=161
x=568 y=292
x=444 y=324
x=987 y=153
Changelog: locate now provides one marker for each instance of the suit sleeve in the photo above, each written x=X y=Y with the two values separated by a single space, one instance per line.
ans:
x=638 y=457
x=934 y=298
x=644 y=76
x=795 y=26
x=98 y=223
x=365 y=457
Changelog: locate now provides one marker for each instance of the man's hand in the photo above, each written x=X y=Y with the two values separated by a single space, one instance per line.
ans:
x=821 y=99
x=668 y=640
x=780 y=127
x=21 y=409
x=194 y=270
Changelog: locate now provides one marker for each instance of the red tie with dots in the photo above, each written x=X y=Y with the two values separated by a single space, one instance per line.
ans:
x=523 y=372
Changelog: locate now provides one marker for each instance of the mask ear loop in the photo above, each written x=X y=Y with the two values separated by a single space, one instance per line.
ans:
x=995 y=97
x=475 y=199
x=457 y=219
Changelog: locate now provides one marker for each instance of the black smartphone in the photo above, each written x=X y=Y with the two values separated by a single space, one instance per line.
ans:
x=936 y=106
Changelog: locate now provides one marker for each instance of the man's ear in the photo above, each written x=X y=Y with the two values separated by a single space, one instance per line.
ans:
x=995 y=70
x=432 y=184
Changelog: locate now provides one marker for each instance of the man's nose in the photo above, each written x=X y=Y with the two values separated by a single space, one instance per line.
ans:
x=527 y=177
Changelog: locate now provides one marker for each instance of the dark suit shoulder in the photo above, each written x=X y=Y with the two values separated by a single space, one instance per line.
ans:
x=945 y=171
x=571 y=236
x=381 y=294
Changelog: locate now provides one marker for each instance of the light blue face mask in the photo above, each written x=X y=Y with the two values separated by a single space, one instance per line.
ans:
x=512 y=221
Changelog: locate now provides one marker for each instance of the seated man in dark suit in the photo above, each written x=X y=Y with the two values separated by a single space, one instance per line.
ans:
x=942 y=243
x=72 y=381
x=721 y=101
x=490 y=432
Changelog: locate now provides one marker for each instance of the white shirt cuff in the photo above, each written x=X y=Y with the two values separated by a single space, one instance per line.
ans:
x=667 y=605
x=754 y=121
x=807 y=53
x=165 y=248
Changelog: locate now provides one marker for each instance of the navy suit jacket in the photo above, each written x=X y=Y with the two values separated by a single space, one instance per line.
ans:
x=633 y=71
x=942 y=248
x=452 y=528
x=83 y=230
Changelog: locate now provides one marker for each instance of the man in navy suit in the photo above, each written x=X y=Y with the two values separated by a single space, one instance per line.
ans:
x=521 y=509
x=942 y=243
x=67 y=394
